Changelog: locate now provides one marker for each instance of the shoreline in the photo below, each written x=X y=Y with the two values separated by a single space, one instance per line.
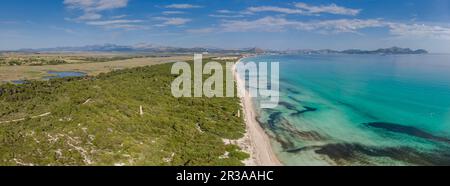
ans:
x=255 y=141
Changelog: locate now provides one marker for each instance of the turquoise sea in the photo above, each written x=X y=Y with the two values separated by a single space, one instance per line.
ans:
x=360 y=109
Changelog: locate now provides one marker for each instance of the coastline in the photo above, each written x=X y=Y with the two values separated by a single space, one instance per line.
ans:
x=255 y=141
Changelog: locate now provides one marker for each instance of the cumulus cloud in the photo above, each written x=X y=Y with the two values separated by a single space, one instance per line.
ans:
x=226 y=15
x=262 y=24
x=280 y=24
x=305 y=9
x=274 y=9
x=118 y=24
x=342 y=25
x=91 y=8
x=276 y=24
x=89 y=16
x=224 y=11
x=92 y=13
x=95 y=5
x=330 y=9
x=119 y=16
x=419 y=31
x=113 y=22
x=172 y=12
x=127 y=27
x=174 y=21
x=182 y=6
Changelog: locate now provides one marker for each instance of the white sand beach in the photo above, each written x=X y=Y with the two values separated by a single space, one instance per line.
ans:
x=256 y=141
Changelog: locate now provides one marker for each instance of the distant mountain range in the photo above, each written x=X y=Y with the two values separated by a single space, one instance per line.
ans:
x=146 y=48
x=393 y=50
x=381 y=51
x=141 y=48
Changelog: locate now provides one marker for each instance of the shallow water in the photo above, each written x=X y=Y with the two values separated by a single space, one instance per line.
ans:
x=18 y=82
x=64 y=74
x=361 y=109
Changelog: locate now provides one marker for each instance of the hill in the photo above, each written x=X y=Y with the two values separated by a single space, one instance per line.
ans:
x=381 y=51
x=392 y=50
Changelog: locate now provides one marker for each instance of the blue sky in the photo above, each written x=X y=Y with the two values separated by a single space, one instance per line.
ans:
x=270 y=24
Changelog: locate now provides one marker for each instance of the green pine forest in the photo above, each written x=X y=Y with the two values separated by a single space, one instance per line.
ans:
x=97 y=121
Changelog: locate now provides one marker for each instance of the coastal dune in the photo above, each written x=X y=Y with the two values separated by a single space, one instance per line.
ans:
x=257 y=142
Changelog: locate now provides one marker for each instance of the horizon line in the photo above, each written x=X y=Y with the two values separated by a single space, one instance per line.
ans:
x=211 y=47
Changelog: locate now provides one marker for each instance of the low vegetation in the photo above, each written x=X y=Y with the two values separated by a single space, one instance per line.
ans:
x=98 y=121
x=94 y=59
x=28 y=72
x=30 y=60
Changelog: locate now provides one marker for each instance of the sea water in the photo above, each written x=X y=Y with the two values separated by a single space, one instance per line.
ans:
x=360 y=109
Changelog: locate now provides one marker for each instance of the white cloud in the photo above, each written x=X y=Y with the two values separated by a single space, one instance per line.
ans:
x=274 y=9
x=175 y=21
x=280 y=24
x=330 y=9
x=92 y=14
x=119 y=16
x=262 y=24
x=182 y=6
x=172 y=12
x=111 y=4
x=226 y=15
x=113 y=22
x=419 y=31
x=274 y=24
x=89 y=16
x=342 y=25
x=305 y=9
x=126 y=26
x=95 y=5
x=224 y=11
x=91 y=8
x=118 y=24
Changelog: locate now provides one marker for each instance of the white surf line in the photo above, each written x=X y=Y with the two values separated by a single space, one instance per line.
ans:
x=22 y=119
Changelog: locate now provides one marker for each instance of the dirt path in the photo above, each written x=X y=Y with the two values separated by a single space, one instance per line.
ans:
x=22 y=119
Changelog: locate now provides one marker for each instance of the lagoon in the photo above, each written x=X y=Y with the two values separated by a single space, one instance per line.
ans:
x=64 y=74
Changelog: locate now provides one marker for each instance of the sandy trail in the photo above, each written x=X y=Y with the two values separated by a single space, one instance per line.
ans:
x=23 y=119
